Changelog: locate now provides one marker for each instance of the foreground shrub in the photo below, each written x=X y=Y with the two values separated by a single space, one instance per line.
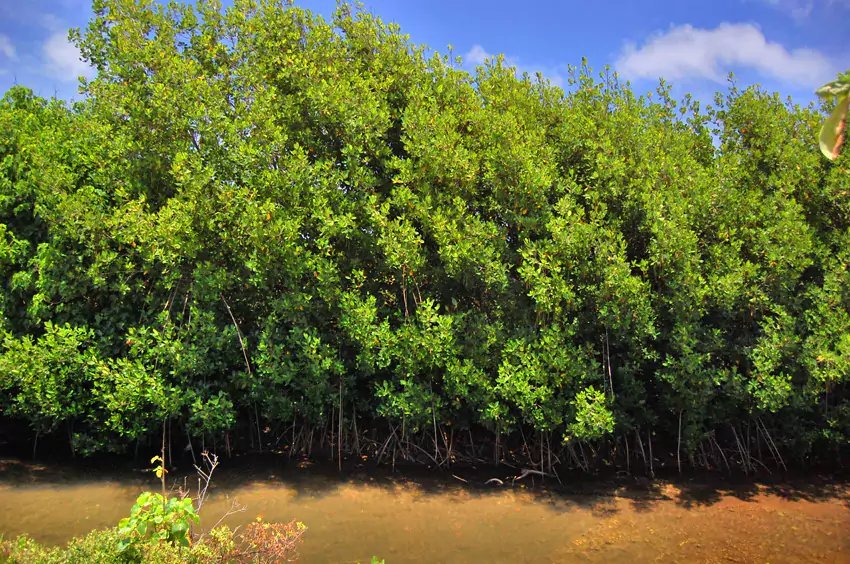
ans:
x=97 y=547
x=25 y=549
x=258 y=543
x=157 y=518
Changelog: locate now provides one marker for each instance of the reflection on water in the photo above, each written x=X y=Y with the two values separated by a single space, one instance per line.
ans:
x=413 y=520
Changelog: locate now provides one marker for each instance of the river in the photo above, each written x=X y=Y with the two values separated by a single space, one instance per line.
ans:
x=439 y=518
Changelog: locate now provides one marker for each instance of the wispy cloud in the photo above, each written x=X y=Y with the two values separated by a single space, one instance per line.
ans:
x=477 y=55
x=797 y=9
x=688 y=52
x=63 y=60
x=52 y=22
x=7 y=49
x=802 y=9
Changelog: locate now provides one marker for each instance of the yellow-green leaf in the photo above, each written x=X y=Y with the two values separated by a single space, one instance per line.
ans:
x=834 y=130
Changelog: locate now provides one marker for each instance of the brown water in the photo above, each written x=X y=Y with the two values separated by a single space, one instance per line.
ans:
x=443 y=520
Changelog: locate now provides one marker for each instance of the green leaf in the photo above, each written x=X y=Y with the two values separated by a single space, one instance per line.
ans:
x=834 y=130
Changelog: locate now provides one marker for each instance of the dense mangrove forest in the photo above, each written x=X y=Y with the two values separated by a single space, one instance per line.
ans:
x=261 y=230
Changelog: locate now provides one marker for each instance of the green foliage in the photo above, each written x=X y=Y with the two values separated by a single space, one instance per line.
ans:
x=157 y=518
x=221 y=544
x=24 y=550
x=593 y=419
x=833 y=132
x=257 y=215
x=97 y=547
x=46 y=380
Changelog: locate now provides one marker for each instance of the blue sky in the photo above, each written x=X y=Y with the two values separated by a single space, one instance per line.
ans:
x=791 y=46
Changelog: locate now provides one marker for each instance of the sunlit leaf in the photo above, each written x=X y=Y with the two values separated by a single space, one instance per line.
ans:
x=834 y=130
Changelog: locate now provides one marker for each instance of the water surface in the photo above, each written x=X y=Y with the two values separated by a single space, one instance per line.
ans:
x=441 y=519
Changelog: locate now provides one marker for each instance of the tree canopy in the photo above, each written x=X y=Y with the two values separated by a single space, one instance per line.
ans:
x=256 y=216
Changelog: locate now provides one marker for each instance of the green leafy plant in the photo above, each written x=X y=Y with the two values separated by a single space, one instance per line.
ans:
x=834 y=130
x=157 y=518
x=593 y=419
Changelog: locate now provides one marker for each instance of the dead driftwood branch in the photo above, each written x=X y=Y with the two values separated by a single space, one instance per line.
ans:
x=524 y=473
x=529 y=472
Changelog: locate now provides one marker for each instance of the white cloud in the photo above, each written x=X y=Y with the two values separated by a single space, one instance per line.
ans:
x=688 y=52
x=7 y=49
x=63 y=58
x=554 y=74
x=477 y=55
x=52 y=22
x=802 y=9
x=798 y=9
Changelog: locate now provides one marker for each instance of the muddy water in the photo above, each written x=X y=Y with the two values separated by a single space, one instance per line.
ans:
x=351 y=518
